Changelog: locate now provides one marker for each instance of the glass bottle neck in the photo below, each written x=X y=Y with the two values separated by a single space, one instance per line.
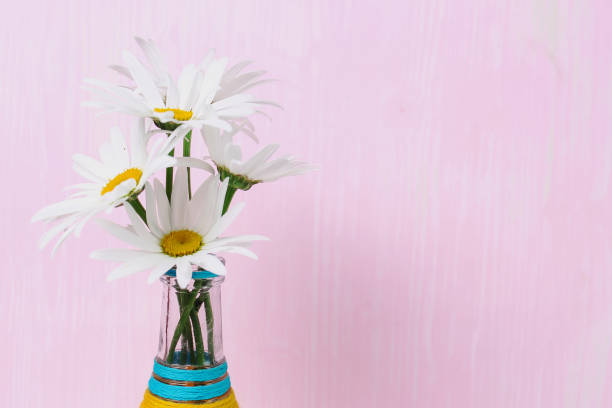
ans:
x=190 y=326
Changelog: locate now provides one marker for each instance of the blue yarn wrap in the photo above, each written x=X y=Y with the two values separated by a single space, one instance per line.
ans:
x=189 y=393
x=193 y=393
x=194 y=274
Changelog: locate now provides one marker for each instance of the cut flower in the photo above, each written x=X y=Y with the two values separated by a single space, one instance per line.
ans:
x=243 y=174
x=118 y=176
x=181 y=234
x=205 y=94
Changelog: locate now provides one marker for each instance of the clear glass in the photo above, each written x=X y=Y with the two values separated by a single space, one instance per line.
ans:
x=190 y=327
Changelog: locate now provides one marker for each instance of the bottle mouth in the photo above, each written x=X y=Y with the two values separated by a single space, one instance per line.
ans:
x=199 y=274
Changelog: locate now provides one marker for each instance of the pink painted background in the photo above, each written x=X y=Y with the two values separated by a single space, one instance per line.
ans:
x=453 y=250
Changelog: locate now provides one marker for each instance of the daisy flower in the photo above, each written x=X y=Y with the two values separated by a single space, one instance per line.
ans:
x=259 y=168
x=202 y=95
x=182 y=234
x=118 y=176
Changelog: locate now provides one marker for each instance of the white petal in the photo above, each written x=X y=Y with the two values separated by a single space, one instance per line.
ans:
x=152 y=211
x=127 y=236
x=75 y=205
x=106 y=153
x=122 y=70
x=236 y=240
x=121 y=155
x=239 y=83
x=161 y=269
x=138 y=144
x=237 y=250
x=89 y=175
x=140 y=263
x=188 y=85
x=251 y=85
x=175 y=137
x=116 y=98
x=172 y=95
x=183 y=272
x=195 y=163
x=211 y=263
x=218 y=123
x=236 y=68
x=155 y=58
x=117 y=254
x=212 y=79
x=159 y=163
x=63 y=237
x=139 y=226
x=257 y=160
x=62 y=225
x=275 y=170
x=235 y=112
x=84 y=220
x=233 y=101
x=204 y=206
x=224 y=222
x=179 y=199
x=163 y=207
x=143 y=80
x=91 y=165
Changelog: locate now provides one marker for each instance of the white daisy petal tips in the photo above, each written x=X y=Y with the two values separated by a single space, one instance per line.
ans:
x=183 y=234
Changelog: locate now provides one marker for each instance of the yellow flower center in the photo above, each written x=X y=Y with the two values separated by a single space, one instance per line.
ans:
x=181 y=243
x=178 y=113
x=132 y=173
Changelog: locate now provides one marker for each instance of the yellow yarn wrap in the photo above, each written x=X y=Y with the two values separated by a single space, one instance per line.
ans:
x=151 y=401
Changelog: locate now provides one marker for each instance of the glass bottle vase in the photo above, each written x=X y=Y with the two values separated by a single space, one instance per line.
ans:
x=190 y=367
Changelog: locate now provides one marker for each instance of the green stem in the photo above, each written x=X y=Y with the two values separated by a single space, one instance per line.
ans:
x=169 y=171
x=188 y=302
x=197 y=334
x=229 y=194
x=183 y=355
x=187 y=153
x=210 y=325
x=137 y=206
x=204 y=299
x=189 y=336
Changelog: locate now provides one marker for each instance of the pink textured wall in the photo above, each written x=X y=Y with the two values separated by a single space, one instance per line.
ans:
x=453 y=250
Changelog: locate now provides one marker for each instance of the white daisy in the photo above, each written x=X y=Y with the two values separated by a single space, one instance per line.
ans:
x=117 y=177
x=196 y=99
x=243 y=174
x=183 y=234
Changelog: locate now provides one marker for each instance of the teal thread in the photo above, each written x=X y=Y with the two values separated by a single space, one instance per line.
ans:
x=193 y=393
x=180 y=374
x=195 y=274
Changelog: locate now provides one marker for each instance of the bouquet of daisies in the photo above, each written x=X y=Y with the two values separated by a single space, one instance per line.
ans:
x=179 y=226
